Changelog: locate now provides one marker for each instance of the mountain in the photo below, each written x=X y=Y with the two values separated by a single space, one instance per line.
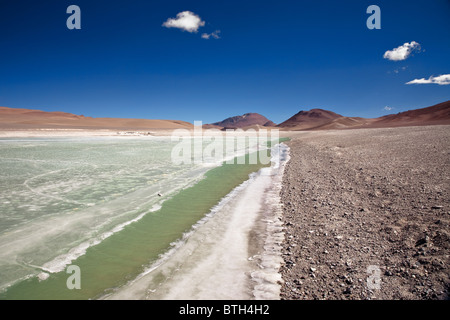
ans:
x=319 y=119
x=345 y=123
x=23 y=119
x=437 y=114
x=315 y=119
x=246 y=120
x=304 y=120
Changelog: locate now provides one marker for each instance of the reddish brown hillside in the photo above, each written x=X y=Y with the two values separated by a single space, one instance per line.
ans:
x=309 y=119
x=318 y=119
x=25 y=119
x=246 y=120
x=437 y=114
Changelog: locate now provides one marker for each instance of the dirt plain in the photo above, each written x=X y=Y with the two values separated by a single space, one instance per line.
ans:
x=366 y=214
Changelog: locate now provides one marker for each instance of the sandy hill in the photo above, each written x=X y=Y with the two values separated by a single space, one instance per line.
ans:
x=319 y=119
x=24 y=119
x=246 y=120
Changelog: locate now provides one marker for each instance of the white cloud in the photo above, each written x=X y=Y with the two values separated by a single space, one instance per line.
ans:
x=440 y=80
x=185 y=20
x=214 y=35
x=402 y=52
x=387 y=108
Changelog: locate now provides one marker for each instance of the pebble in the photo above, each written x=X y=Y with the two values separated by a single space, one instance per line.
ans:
x=360 y=204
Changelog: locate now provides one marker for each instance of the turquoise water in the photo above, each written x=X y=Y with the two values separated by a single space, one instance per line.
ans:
x=94 y=203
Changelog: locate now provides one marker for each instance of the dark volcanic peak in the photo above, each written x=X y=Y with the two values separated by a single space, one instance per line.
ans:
x=248 y=119
x=312 y=117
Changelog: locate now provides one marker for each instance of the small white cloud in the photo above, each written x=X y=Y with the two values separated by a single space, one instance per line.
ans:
x=186 y=20
x=402 y=52
x=387 y=108
x=214 y=35
x=440 y=80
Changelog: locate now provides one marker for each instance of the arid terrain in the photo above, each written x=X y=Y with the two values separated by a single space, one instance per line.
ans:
x=366 y=211
x=22 y=122
x=319 y=119
x=12 y=119
x=366 y=214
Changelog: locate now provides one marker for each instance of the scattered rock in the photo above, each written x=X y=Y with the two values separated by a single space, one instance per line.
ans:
x=364 y=208
x=348 y=290
x=422 y=241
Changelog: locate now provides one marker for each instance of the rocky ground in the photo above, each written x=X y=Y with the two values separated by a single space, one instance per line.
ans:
x=366 y=214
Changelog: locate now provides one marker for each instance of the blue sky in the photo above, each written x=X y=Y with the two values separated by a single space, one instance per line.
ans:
x=271 y=57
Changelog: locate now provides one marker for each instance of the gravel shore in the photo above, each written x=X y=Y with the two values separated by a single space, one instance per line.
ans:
x=366 y=214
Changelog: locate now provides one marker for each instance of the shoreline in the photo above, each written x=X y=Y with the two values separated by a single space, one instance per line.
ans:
x=237 y=228
x=56 y=133
x=232 y=253
x=241 y=175
x=364 y=200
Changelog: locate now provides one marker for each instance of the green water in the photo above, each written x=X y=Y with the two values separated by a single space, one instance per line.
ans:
x=127 y=253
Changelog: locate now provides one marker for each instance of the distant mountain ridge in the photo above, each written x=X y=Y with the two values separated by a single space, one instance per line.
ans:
x=245 y=120
x=436 y=114
x=319 y=119
x=27 y=119
x=315 y=119
x=309 y=119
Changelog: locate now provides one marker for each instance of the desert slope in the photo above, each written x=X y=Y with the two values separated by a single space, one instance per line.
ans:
x=319 y=119
x=25 y=119
x=368 y=197
x=246 y=120
x=313 y=118
x=437 y=114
